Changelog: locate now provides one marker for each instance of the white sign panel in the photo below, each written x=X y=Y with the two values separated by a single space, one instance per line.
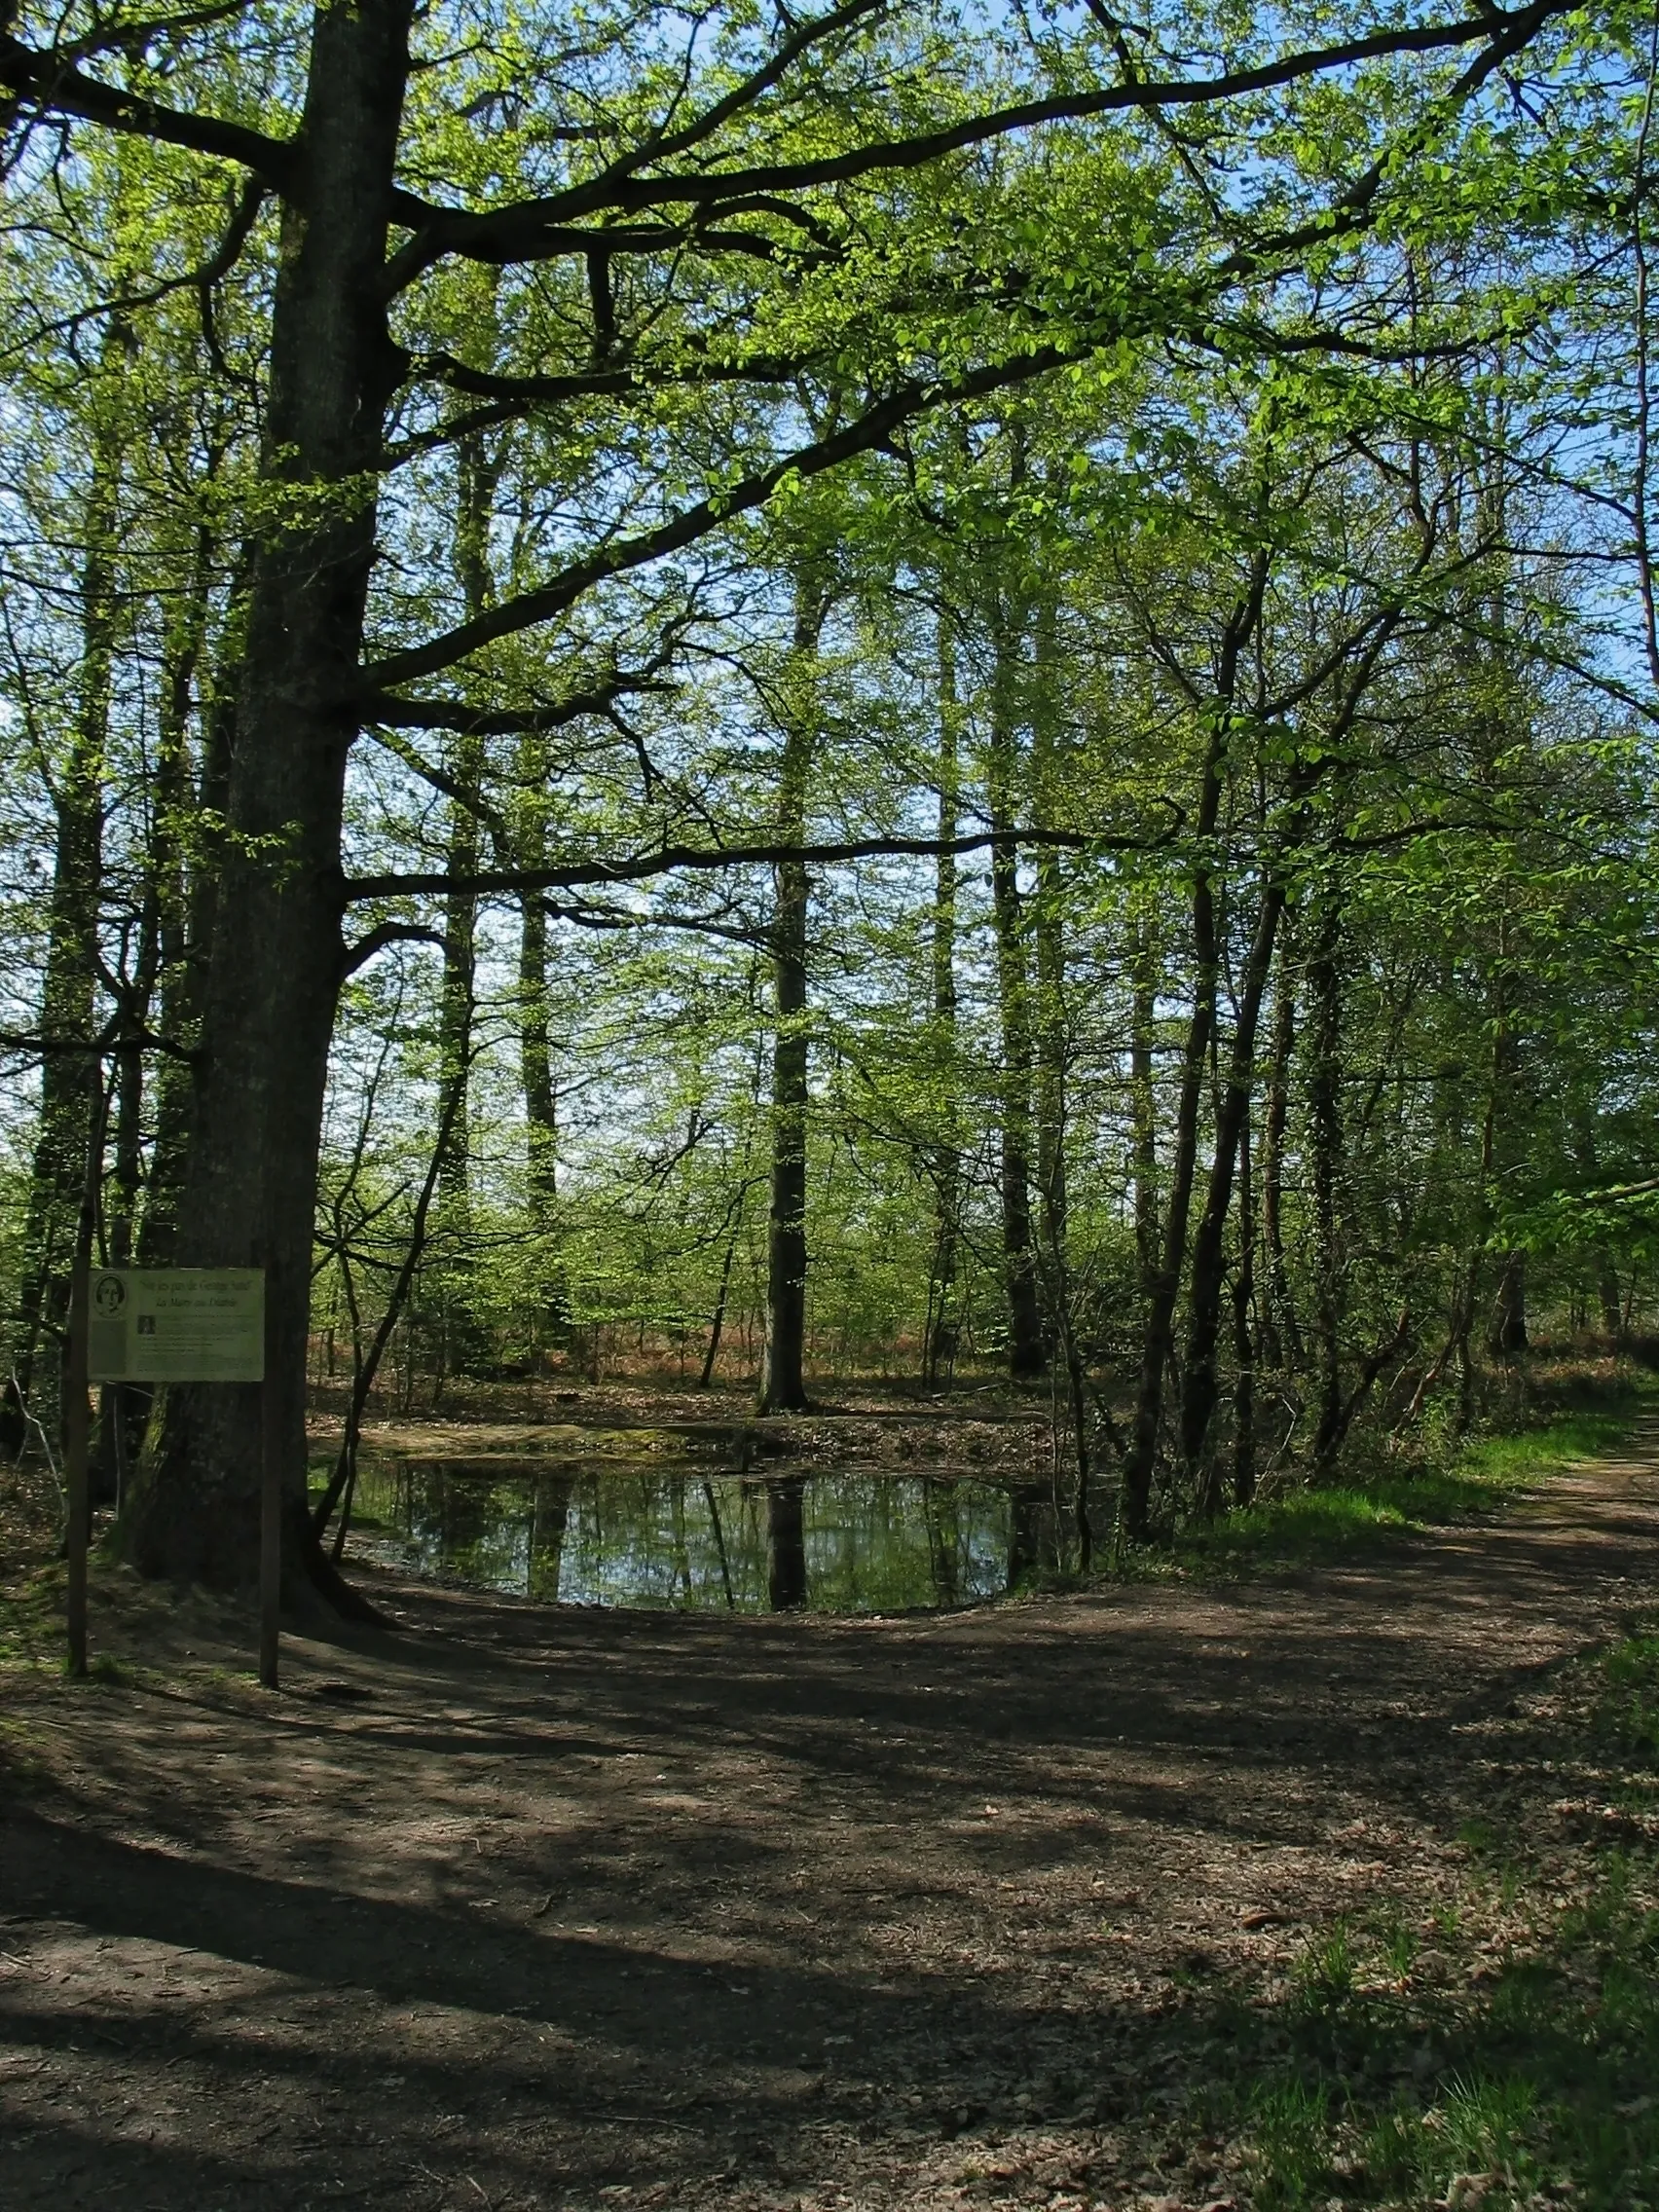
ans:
x=176 y=1325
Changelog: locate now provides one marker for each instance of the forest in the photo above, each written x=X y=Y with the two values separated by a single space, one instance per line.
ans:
x=866 y=786
x=879 y=694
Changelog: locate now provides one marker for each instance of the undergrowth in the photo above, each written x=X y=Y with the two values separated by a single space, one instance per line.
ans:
x=1499 y=2049
x=1391 y=1493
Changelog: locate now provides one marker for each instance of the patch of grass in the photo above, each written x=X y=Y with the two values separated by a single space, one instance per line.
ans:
x=1630 y=1705
x=31 y=1619
x=1289 y=2123
x=1510 y=2066
x=1390 y=1499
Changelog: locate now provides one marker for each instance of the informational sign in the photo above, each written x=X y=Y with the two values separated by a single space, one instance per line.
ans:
x=176 y=1325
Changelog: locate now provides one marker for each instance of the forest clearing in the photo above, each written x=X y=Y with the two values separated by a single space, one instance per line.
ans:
x=1331 y=1887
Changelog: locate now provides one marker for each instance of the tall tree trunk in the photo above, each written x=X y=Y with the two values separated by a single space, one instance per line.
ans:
x=535 y=1056
x=1143 y=1101
x=1203 y=1318
x=1507 y=1337
x=1025 y=1352
x=189 y=906
x=476 y=478
x=58 y=1173
x=1326 y=1144
x=535 y=1051
x=1607 y=1296
x=1243 y=1339
x=1158 y=1335
x=161 y=940
x=783 y=1379
x=939 y=1352
x=1279 y=1335
x=250 y=1189
x=1047 y=932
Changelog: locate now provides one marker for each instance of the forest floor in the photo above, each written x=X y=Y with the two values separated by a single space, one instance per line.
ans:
x=1332 y=1885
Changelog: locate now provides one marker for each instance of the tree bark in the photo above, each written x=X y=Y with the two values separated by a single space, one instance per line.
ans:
x=1507 y=1338
x=1143 y=1102
x=1280 y=1340
x=939 y=1344
x=68 y=993
x=476 y=478
x=250 y=1188
x=1157 y=1335
x=1026 y=1349
x=1204 y=1297
x=783 y=1379
x=1326 y=1144
x=1243 y=1337
x=1049 y=935
x=189 y=906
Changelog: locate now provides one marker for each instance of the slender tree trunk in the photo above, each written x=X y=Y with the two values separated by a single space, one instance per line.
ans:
x=1025 y=1351
x=1280 y=1337
x=1203 y=1325
x=58 y=1173
x=462 y=1348
x=535 y=1051
x=1157 y=1336
x=783 y=1379
x=1507 y=1338
x=939 y=1353
x=1243 y=1339
x=1049 y=936
x=1607 y=1296
x=1143 y=1102
x=250 y=1189
x=160 y=947
x=189 y=906
x=535 y=1056
x=1326 y=1144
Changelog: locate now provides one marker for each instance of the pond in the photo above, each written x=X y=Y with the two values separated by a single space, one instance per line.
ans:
x=674 y=1521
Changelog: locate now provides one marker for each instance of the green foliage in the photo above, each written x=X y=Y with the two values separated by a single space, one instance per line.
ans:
x=1384 y=1503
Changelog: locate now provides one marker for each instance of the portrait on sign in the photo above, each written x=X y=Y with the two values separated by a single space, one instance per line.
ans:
x=176 y=1325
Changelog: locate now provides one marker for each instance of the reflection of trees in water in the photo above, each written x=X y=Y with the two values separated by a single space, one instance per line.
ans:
x=944 y=1536
x=608 y=1534
x=786 y=1544
x=1034 y=1538
x=549 y=1512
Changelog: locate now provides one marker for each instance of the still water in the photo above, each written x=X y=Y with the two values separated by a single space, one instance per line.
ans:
x=613 y=1528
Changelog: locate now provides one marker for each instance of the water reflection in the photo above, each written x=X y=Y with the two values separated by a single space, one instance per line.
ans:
x=608 y=1533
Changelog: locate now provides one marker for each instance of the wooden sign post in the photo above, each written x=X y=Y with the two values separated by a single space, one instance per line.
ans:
x=77 y=1432
x=170 y=1325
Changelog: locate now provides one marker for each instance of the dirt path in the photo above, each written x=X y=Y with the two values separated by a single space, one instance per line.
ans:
x=531 y=1908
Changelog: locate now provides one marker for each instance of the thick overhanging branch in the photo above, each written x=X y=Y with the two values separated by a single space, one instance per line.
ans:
x=668 y=860
x=617 y=383
x=384 y=934
x=392 y=712
x=53 y=87
x=866 y=435
x=619 y=190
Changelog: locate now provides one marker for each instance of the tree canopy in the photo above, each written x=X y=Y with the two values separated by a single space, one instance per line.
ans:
x=899 y=688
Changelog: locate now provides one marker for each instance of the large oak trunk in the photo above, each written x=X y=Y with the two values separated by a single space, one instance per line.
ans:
x=269 y=1008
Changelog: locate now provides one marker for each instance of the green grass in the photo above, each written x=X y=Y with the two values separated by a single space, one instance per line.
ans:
x=1475 y=1480
x=31 y=1619
x=1536 y=2088
x=1490 y=2036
